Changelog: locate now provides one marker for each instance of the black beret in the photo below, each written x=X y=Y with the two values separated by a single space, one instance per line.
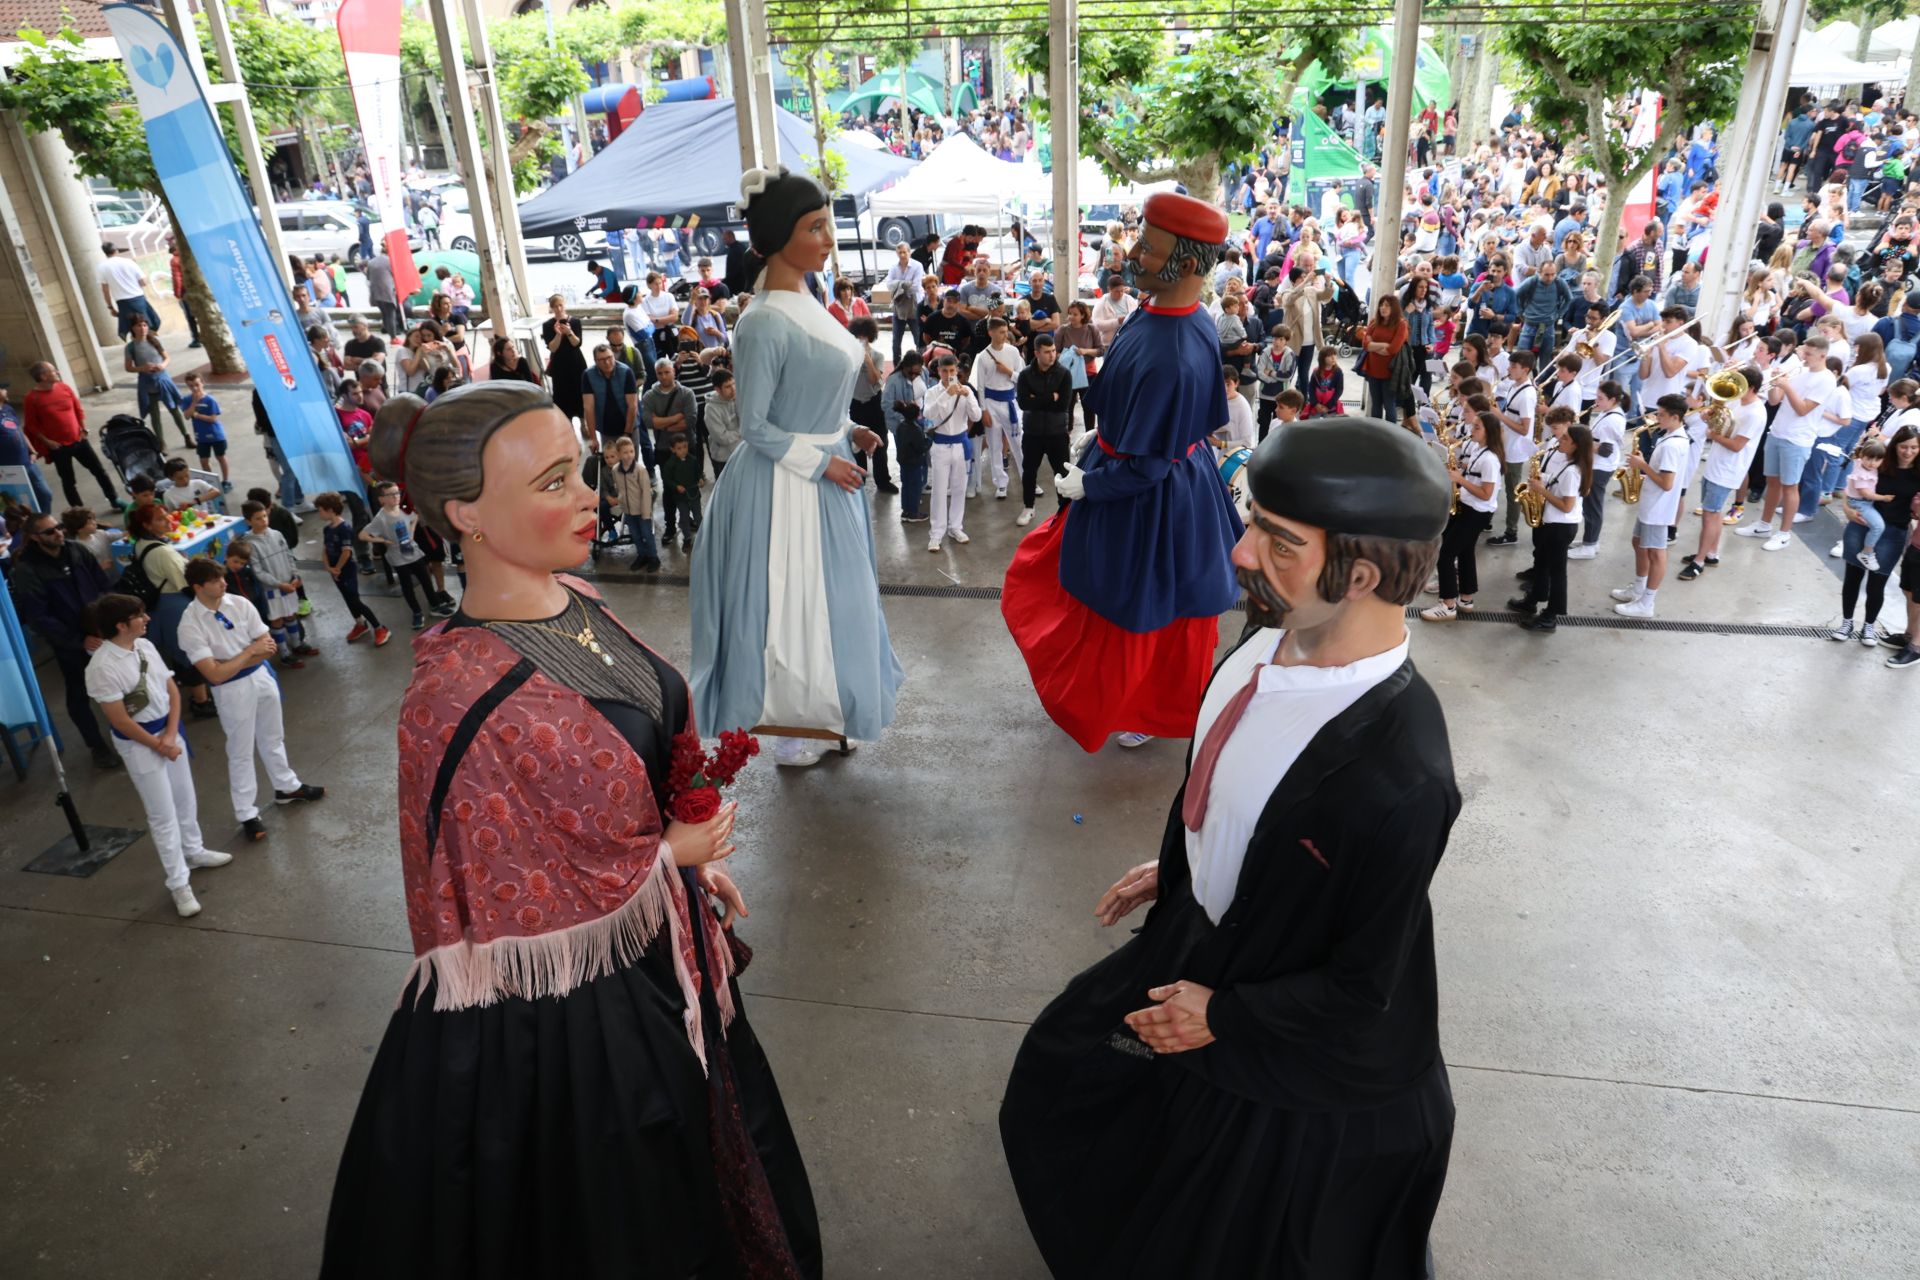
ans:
x=1357 y=476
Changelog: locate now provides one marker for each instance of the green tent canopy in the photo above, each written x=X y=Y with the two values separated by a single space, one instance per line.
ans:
x=1374 y=64
x=923 y=92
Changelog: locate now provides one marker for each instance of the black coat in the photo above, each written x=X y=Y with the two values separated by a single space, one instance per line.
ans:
x=1045 y=398
x=53 y=592
x=1311 y=1138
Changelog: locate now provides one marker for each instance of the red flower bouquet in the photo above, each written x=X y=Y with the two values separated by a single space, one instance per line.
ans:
x=694 y=777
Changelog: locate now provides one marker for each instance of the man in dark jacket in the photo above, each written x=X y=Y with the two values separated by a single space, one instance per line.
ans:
x=1044 y=392
x=1252 y=1085
x=53 y=583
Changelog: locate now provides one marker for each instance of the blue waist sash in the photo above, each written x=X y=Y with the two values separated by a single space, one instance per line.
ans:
x=960 y=438
x=1005 y=398
x=154 y=727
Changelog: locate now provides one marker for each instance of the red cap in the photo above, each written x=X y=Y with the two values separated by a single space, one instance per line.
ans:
x=1187 y=217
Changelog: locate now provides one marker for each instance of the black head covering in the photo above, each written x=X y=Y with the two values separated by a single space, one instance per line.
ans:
x=1356 y=476
x=773 y=201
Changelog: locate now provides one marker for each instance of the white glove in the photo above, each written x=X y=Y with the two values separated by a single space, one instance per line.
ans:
x=1072 y=485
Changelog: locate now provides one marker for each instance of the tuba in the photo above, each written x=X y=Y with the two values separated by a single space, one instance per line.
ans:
x=1723 y=388
x=1631 y=480
x=1532 y=505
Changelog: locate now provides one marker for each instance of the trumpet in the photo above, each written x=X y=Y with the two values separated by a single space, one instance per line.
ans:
x=1532 y=505
x=1630 y=479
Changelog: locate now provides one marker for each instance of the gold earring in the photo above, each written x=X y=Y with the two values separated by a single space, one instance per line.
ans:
x=477 y=536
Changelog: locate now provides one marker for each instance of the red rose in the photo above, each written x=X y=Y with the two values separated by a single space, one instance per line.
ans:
x=698 y=805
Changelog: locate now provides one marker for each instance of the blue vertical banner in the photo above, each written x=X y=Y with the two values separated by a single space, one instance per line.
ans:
x=21 y=705
x=190 y=156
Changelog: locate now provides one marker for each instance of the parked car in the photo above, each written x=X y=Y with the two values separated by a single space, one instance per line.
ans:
x=131 y=229
x=455 y=260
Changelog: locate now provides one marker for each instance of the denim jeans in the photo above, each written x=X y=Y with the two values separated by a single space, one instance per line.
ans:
x=1380 y=401
x=913 y=484
x=640 y=529
x=1888 y=549
x=1825 y=472
x=127 y=308
x=1350 y=268
x=1856 y=189
x=1535 y=336
x=906 y=320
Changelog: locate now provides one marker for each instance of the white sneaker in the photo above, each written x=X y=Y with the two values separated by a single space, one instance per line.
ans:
x=1132 y=740
x=1868 y=560
x=934 y=546
x=1838 y=550
x=184 y=902
x=1626 y=595
x=1466 y=604
x=1801 y=517
x=797 y=753
x=1842 y=630
x=1439 y=613
x=1636 y=608
x=1433 y=587
x=960 y=536
x=1584 y=551
x=1871 y=633
x=973 y=493
x=1778 y=542
x=206 y=858
x=1754 y=531
x=1026 y=517
x=1000 y=491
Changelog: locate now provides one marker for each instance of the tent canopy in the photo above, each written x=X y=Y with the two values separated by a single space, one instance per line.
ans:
x=681 y=159
x=1816 y=66
x=923 y=92
x=960 y=179
x=1374 y=64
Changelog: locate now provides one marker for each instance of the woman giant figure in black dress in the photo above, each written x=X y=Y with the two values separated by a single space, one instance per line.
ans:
x=569 y=1086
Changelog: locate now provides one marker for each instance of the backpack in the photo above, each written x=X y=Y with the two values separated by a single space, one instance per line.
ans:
x=133 y=580
x=1900 y=350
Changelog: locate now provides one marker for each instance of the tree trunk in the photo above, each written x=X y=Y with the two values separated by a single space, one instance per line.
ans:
x=816 y=100
x=1863 y=43
x=1201 y=177
x=441 y=126
x=215 y=339
x=1607 y=235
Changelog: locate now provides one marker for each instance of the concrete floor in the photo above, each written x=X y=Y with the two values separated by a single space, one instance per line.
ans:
x=1676 y=925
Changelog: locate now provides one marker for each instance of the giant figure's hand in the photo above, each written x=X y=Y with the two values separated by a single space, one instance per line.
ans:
x=844 y=474
x=1142 y=884
x=1072 y=484
x=695 y=844
x=1178 y=1022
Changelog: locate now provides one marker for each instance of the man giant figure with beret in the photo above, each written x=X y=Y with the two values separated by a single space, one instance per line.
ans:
x=1252 y=1085
x=1114 y=602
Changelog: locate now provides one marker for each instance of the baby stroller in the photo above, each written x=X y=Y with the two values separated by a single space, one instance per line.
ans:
x=1342 y=318
x=608 y=532
x=131 y=448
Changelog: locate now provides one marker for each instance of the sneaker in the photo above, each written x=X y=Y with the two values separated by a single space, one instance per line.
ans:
x=292 y=663
x=1132 y=740
x=1869 y=561
x=105 y=757
x=300 y=508
x=1837 y=551
x=1692 y=570
x=306 y=608
x=1891 y=639
x=1546 y=624
x=973 y=492
x=1778 y=542
x=914 y=519
x=1000 y=492
x=203 y=710
x=1432 y=588
x=253 y=830
x=1734 y=516
x=1026 y=517
x=1466 y=604
x=960 y=536
x=1905 y=658
x=380 y=636
x=419 y=620
x=1842 y=630
x=1625 y=595
x=445 y=608
x=1637 y=608
x=650 y=565
x=1504 y=540
x=207 y=859
x=934 y=546
x=1801 y=517
x=184 y=902
x=1439 y=613
x=359 y=630
x=1762 y=530
x=797 y=753
x=1584 y=551
x=305 y=651
x=888 y=488
x=305 y=791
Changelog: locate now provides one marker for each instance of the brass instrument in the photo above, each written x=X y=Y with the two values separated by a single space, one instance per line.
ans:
x=1586 y=350
x=1724 y=387
x=1532 y=505
x=1631 y=479
x=1453 y=464
x=1643 y=346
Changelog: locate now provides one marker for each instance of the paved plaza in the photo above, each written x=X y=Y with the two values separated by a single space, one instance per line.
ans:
x=1678 y=929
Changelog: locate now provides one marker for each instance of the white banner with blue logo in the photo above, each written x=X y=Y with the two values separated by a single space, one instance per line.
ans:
x=190 y=156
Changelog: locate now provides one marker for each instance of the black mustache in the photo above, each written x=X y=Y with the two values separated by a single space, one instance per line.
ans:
x=1265 y=606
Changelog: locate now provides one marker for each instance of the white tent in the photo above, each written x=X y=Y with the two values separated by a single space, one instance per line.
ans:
x=960 y=179
x=1816 y=66
x=1890 y=41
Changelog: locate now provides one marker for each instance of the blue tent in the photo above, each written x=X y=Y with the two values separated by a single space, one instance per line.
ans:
x=680 y=159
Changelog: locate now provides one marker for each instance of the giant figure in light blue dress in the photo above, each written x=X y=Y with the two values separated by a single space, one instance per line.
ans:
x=787 y=628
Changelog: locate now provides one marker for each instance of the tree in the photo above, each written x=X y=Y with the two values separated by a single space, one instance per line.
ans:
x=1581 y=79
x=1149 y=116
x=295 y=76
x=420 y=65
x=538 y=82
x=57 y=87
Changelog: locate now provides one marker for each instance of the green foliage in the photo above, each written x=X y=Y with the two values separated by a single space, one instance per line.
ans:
x=540 y=82
x=280 y=63
x=88 y=102
x=829 y=168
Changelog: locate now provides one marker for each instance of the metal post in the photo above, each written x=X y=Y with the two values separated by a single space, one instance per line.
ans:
x=1747 y=159
x=221 y=29
x=740 y=71
x=760 y=77
x=506 y=207
x=466 y=140
x=1393 y=147
x=1063 y=114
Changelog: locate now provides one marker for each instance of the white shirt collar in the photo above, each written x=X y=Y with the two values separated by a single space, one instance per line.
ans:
x=1275 y=678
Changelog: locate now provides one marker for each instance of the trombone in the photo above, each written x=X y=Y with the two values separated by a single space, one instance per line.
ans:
x=1643 y=346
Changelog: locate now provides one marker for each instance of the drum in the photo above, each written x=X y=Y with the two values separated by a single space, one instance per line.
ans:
x=1233 y=473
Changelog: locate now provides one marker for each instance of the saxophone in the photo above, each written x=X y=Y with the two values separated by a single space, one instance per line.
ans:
x=1532 y=505
x=1630 y=479
x=1453 y=464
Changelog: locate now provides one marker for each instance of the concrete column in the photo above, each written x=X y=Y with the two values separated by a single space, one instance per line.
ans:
x=1393 y=146
x=1747 y=159
x=740 y=72
x=760 y=63
x=79 y=237
x=506 y=207
x=1063 y=96
x=496 y=282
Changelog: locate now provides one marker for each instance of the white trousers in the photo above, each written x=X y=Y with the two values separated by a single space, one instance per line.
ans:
x=250 y=713
x=947 y=505
x=1001 y=435
x=166 y=792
